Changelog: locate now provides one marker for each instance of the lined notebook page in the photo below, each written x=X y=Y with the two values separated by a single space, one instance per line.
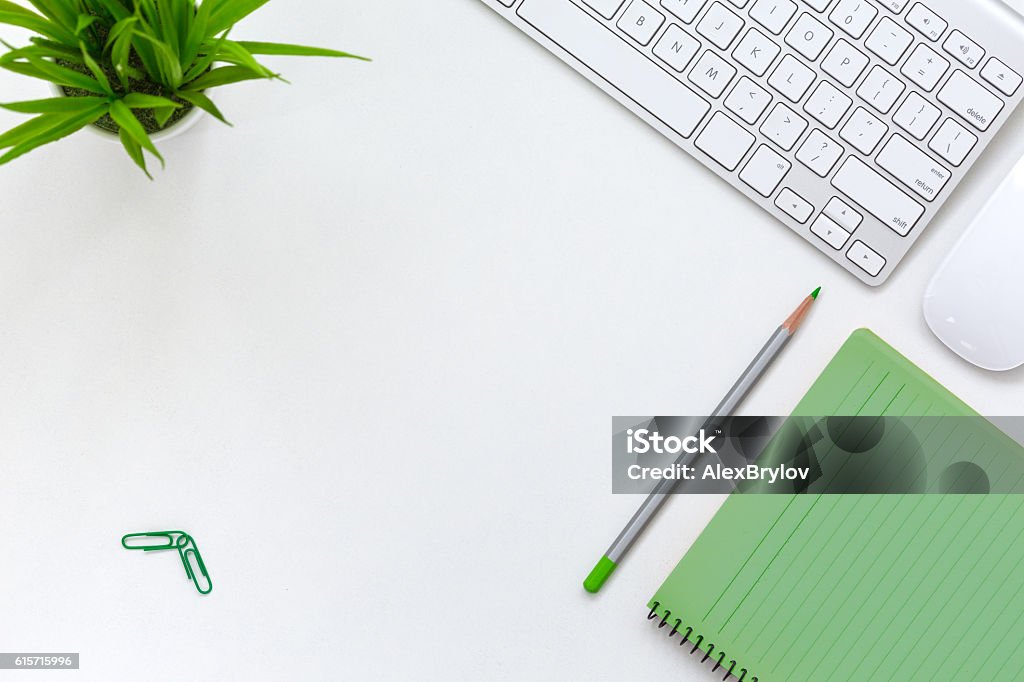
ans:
x=862 y=587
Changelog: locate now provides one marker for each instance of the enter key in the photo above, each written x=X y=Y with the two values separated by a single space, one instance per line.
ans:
x=913 y=168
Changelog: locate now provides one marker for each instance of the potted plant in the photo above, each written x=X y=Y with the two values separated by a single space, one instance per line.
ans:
x=140 y=70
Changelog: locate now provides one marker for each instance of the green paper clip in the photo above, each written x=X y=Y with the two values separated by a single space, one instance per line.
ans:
x=188 y=552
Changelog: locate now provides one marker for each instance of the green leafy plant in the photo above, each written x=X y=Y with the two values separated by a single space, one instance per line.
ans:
x=133 y=67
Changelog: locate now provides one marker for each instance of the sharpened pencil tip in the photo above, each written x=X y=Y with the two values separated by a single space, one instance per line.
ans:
x=599 y=575
x=814 y=294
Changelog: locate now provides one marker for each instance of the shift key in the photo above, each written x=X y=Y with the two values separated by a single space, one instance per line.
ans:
x=878 y=196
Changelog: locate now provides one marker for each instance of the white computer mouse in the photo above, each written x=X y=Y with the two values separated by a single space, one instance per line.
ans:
x=975 y=302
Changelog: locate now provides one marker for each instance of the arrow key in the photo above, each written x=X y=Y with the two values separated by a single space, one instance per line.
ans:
x=840 y=211
x=834 y=235
x=866 y=259
x=794 y=205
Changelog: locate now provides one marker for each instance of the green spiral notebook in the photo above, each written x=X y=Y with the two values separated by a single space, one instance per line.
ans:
x=861 y=587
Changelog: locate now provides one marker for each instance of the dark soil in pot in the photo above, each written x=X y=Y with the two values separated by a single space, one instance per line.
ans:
x=144 y=87
x=145 y=116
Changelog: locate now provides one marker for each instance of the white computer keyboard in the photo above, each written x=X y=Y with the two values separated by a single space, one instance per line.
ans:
x=851 y=121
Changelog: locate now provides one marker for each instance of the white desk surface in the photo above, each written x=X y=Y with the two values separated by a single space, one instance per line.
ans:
x=366 y=345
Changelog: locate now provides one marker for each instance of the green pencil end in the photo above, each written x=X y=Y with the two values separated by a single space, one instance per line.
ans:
x=599 y=575
x=814 y=294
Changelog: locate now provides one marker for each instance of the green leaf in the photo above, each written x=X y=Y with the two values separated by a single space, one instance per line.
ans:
x=32 y=70
x=96 y=71
x=203 y=102
x=295 y=50
x=143 y=38
x=137 y=100
x=24 y=68
x=163 y=115
x=55 y=105
x=62 y=12
x=33 y=22
x=227 y=13
x=233 y=53
x=62 y=127
x=225 y=75
x=64 y=76
x=41 y=51
x=51 y=49
x=118 y=30
x=124 y=117
x=209 y=53
x=84 y=22
x=197 y=33
x=169 y=68
x=114 y=7
x=148 y=11
x=167 y=18
x=134 y=150
x=8 y=6
x=28 y=129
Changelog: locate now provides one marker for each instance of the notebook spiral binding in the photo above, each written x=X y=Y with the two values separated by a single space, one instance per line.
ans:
x=710 y=653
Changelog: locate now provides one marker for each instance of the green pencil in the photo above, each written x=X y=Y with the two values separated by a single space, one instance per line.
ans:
x=771 y=350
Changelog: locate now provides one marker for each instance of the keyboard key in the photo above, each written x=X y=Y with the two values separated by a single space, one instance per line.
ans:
x=783 y=126
x=833 y=235
x=863 y=131
x=881 y=89
x=791 y=78
x=748 y=100
x=819 y=5
x=765 y=171
x=878 y=196
x=865 y=258
x=712 y=73
x=913 y=168
x=794 y=205
x=720 y=26
x=827 y=104
x=740 y=3
x=819 y=153
x=853 y=16
x=971 y=101
x=927 y=22
x=606 y=8
x=686 y=10
x=839 y=211
x=633 y=74
x=894 y=5
x=756 y=52
x=889 y=41
x=676 y=48
x=964 y=49
x=925 y=67
x=773 y=14
x=1000 y=75
x=809 y=36
x=916 y=115
x=724 y=141
x=845 y=63
x=640 y=21
x=953 y=142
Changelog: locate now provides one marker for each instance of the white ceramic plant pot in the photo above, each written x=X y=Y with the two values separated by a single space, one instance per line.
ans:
x=180 y=127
